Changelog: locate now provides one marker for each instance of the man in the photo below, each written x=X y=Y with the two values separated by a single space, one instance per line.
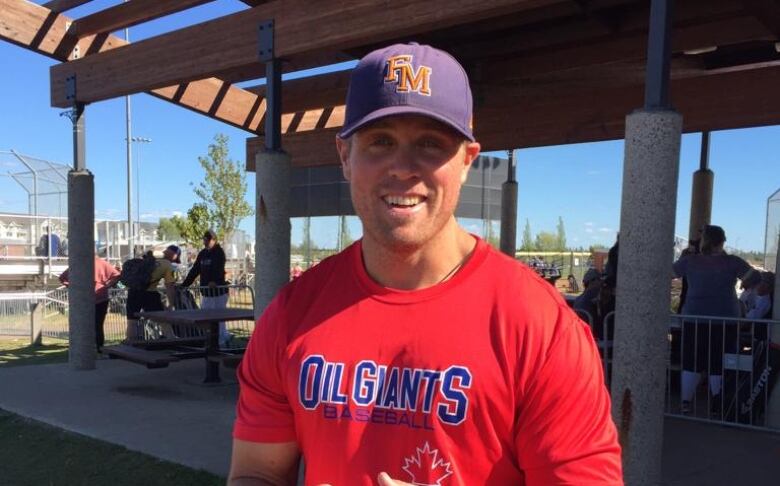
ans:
x=106 y=276
x=586 y=301
x=49 y=244
x=419 y=354
x=147 y=297
x=210 y=266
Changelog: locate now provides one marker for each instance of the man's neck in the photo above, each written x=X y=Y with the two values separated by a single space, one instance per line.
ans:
x=436 y=261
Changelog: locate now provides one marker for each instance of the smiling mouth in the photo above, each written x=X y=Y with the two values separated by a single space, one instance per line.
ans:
x=403 y=201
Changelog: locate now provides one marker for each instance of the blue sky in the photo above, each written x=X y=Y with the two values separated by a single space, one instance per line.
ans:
x=581 y=183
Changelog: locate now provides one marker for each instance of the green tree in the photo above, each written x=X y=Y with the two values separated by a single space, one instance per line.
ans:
x=169 y=228
x=222 y=189
x=527 y=243
x=192 y=228
x=546 y=241
x=561 y=235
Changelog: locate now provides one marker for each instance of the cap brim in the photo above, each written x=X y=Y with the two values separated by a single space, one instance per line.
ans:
x=389 y=111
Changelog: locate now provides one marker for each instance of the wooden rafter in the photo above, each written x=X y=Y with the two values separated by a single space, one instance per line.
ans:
x=36 y=28
x=127 y=14
x=516 y=119
x=767 y=11
x=300 y=31
x=58 y=6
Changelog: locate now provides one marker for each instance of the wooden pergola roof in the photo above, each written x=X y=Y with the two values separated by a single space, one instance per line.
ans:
x=543 y=72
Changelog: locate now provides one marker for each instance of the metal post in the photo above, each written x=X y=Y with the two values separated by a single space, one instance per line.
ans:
x=509 y=208
x=658 y=55
x=647 y=219
x=701 y=192
x=704 y=155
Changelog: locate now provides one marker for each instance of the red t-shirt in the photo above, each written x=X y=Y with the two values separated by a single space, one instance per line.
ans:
x=486 y=378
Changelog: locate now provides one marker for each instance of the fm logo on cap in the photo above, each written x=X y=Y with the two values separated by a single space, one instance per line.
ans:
x=408 y=80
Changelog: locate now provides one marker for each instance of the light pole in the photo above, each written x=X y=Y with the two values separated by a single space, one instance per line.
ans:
x=137 y=179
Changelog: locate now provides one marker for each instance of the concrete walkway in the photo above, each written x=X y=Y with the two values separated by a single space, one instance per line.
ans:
x=169 y=414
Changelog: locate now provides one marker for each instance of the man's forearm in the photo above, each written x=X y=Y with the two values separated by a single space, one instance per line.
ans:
x=170 y=291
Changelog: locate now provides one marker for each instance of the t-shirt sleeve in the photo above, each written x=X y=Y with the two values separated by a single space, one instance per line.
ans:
x=263 y=412
x=565 y=433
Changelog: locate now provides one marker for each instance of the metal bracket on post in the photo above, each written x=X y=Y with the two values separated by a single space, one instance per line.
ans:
x=273 y=90
x=76 y=116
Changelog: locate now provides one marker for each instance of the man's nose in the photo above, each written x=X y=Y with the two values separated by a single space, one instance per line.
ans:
x=404 y=163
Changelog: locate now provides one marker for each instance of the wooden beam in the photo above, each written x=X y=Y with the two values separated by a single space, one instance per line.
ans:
x=712 y=102
x=58 y=6
x=231 y=42
x=127 y=14
x=766 y=11
x=36 y=28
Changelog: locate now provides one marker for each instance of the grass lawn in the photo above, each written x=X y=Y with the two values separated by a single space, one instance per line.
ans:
x=37 y=454
x=17 y=351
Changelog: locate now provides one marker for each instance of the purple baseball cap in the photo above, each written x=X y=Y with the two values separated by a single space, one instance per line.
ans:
x=409 y=79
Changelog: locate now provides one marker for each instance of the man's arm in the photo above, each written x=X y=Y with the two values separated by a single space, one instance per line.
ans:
x=263 y=464
x=194 y=272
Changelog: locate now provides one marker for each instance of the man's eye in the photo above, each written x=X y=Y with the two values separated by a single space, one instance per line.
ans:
x=382 y=142
x=429 y=144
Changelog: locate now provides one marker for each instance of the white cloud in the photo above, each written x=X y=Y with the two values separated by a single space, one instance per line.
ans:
x=588 y=223
x=589 y=230
x=593 y=172
x=604 y=229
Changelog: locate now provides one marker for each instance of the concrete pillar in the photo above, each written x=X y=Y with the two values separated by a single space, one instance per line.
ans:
x=701 y=202
x=650 y=174
x=272 y=226
x=81 y=262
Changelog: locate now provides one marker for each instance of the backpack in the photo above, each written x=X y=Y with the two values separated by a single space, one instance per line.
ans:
x=137 y=272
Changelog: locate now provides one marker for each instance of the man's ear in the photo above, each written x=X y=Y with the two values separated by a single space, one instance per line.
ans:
x=472 y=152
x=343 y=147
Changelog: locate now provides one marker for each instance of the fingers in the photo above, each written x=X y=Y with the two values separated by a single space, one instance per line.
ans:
x=384 y=479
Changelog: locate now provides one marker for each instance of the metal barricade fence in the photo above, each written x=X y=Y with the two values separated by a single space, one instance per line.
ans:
x=16 y=312
x=721 y=370
x=237 y=296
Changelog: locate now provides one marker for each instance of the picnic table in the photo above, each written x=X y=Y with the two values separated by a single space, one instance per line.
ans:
x=209 y=320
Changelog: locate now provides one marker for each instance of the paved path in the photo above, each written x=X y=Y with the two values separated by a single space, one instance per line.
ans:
x=169 y=414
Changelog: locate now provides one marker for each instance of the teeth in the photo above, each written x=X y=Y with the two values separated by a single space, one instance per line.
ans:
x=403 y=200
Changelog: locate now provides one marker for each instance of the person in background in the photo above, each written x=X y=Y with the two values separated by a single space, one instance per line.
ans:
x=747 y=299
x=712 y=276
x=106 y=276
x=296 y=271
x=44 y=248
x=148 y=297
x=210 y=267
x=587 y=300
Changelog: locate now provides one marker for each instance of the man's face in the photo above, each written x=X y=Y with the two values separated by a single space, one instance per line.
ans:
x=208 y=242
x=405 y=175
x=169 y=255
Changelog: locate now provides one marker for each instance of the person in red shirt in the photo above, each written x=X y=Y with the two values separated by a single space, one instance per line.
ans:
x=419 y=354
x=106 y=276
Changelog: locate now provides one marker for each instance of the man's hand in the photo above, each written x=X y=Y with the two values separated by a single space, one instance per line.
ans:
x=384 y=479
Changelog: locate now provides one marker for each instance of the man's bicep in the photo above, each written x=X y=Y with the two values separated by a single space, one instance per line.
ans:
x=255 y=463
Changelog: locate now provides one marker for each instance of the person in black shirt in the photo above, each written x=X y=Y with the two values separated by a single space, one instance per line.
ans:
x=210 y=266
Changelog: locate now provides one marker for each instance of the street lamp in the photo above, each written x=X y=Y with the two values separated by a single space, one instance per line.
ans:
x=139 y=140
